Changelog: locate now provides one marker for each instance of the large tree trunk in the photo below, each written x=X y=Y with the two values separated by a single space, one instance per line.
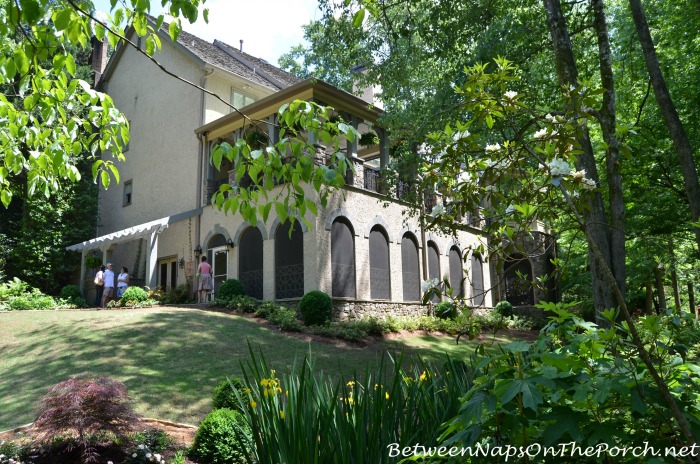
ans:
x=669 y=113
x=691 y=298
x=608 y=125
x=596 y=223
x=660 y=292
x=649 y=301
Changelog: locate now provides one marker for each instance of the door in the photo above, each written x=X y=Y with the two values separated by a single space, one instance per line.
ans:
x=167 y=273
x=219 y=267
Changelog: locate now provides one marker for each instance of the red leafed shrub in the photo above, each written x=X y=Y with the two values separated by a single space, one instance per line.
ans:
x=85 y=405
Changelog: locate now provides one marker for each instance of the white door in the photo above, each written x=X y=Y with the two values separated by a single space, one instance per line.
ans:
x=219 y=267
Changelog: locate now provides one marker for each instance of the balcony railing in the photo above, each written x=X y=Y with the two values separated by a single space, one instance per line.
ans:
x=372 y=177
x=363 y=177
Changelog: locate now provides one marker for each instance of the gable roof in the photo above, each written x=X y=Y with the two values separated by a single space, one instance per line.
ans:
x=222 y=56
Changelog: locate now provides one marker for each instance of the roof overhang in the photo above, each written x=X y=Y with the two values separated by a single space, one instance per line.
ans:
x=132 y=233
x=310 y=89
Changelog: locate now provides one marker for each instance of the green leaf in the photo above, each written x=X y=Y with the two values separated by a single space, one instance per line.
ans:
x=281 y=211
x=6 y=197
x=105 y=179
x=358 y=18
x=21 y=61
x=62 y=18
x=174 y=30
x=31 y=10
x=70 y=64
x=508 y=389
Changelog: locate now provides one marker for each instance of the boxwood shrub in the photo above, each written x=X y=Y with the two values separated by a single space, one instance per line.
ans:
x=316 y=308
x=223 y=437
x=225 y=396
x=229 y=289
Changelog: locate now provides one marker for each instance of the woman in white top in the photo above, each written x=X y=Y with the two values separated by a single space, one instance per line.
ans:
x=122 y=282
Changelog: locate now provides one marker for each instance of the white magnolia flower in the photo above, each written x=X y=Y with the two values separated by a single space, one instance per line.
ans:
x=578 y=174
x=559 y=167
x=464 y=177
x=438 y=210
x=589 y=184
x=459 y=135
x=572 y=88
x=492 y=148
x=549 y=117
x=428 y=284
x=510 y=94
x=540 y=134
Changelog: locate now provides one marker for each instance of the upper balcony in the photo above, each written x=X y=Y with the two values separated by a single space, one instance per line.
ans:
x=369 y=155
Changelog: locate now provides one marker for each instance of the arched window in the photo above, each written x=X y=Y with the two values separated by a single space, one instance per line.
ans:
x=343 y=259
x=250 y=262
x=433 y=266
x=478 y=294
x=409 y=268
x=518 y=273
x=379 y=275
x=456 y=272
x=289 y=261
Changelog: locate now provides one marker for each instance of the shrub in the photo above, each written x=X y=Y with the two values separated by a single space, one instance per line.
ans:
x=133 y=296
x=316 y=308
x=265 y=309
x=446 y=310
x=504 y=309
x=15 y=287
x=176 y=295
x=86 y=405
x=285 y=319
x=223 y=437
x=28 y=301
x=71 y=294
x=242 y=303
x=225 y=396
x=229 y=289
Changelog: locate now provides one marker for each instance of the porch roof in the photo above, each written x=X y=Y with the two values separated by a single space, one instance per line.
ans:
x=132 y=233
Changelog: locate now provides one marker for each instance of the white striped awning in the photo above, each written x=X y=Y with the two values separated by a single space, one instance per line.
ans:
x=132 y=233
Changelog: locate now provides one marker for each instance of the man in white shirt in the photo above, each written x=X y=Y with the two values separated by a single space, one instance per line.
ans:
x=109 y=285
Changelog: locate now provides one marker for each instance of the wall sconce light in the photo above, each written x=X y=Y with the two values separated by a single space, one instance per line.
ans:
x=198 y=250
x=230 y=243
x=181 y=263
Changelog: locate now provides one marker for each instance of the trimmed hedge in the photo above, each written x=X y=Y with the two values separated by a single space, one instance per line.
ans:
x=225 y=396
x=316 y=308
x=229 y=289
x=223 y=437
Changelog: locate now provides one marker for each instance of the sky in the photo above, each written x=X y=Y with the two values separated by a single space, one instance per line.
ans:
x=268 y=28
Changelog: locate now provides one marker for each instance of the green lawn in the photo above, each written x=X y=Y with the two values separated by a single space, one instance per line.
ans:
x=169 y=358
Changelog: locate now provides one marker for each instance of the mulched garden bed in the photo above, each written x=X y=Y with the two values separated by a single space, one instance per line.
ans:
x=182 y=437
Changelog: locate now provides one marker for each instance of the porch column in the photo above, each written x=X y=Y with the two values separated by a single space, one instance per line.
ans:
x=152 y=256
x=82 y=271
x=383 y=148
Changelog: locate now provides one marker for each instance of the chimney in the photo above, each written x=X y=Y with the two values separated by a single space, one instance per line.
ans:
x=368 y=93
x=99 y=58
x=241 y=49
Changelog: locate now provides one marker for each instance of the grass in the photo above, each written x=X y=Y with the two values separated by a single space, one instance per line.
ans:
x=169 y=358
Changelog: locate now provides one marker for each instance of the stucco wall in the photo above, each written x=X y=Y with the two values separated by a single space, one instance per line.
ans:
x=163 y=113
x=362 y=210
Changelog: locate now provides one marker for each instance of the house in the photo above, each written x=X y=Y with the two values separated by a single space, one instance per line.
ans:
x=363 y=249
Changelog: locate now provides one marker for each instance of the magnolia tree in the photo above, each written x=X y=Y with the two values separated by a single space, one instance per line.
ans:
x=523 y=166
x=49 y=119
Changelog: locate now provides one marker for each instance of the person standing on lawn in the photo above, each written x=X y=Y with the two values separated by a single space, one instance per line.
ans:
x=122 y=281
x=99 y=286
x=108 y=293
x=205 y=282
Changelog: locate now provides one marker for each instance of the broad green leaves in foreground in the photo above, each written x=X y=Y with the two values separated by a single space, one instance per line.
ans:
x=49 y=119
x=292 y=162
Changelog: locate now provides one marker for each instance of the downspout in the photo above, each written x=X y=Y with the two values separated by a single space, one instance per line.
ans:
x=200 y=156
